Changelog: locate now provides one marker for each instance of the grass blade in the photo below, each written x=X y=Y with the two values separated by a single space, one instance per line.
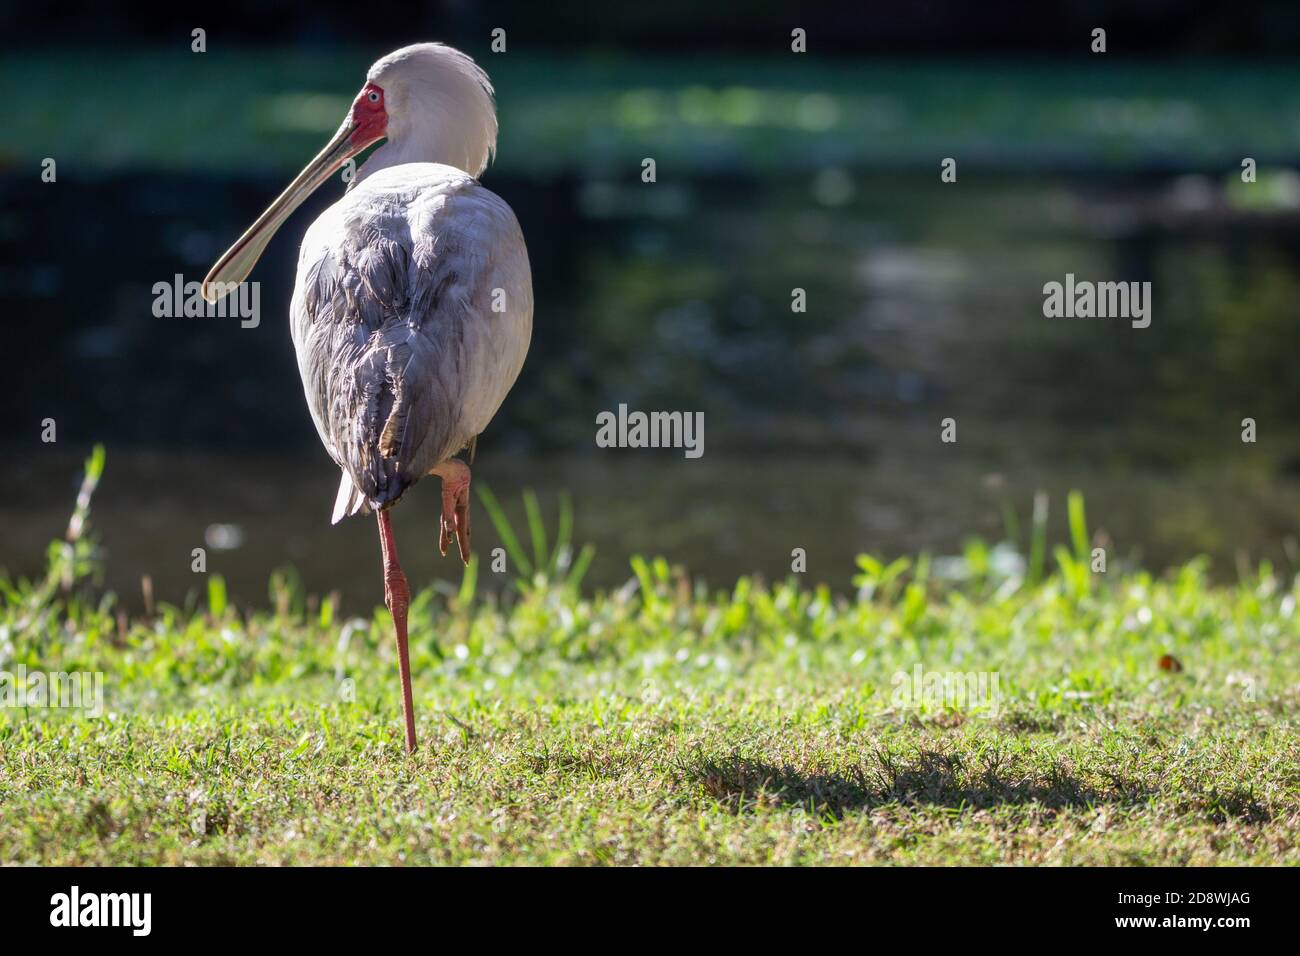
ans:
x=579 y=569
x=536 y=528
x=1038 y=538
x=502 y=525
x=649 y=597
x=1078 y=526
x=94 y=471
x=468 y=583
x=564 y=534
x=216 y=596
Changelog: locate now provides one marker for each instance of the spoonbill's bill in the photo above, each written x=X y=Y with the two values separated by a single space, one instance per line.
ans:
x=413 y=306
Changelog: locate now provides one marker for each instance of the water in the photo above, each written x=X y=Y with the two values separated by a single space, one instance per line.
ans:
x=718 y=518
x=822 y=428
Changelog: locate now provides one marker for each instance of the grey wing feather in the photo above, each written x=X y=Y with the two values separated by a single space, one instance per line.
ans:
x=375 y=363
x=402 y=360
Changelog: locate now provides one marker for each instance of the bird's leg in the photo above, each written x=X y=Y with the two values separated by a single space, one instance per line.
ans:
x=398 y=598
x=455 y=506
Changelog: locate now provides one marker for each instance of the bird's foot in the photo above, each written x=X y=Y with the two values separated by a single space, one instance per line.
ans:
x=455 y=506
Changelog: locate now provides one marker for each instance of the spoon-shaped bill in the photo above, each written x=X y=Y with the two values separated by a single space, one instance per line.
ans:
x=238 y=261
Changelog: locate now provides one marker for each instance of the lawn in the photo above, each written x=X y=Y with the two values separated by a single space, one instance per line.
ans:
x=1124 y=718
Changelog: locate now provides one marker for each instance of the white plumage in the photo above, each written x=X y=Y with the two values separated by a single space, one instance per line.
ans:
x=417 y=282
x=413 y=305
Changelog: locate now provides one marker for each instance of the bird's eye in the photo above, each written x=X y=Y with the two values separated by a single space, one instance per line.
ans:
x=373 y=97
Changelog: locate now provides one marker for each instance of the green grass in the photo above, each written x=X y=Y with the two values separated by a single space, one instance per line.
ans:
x=663 y=724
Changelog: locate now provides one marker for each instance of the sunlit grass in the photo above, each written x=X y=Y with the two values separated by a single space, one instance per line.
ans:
x=665 y=723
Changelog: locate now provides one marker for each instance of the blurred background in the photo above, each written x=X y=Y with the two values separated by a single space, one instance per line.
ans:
x=775 y=171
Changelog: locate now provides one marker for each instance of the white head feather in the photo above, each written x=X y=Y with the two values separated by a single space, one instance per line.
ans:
x=440 y=109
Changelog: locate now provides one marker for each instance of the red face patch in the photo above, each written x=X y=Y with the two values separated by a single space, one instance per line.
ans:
x=369 y=116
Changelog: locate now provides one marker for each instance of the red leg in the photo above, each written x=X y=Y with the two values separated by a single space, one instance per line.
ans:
x=398 y=598
x=455 y=506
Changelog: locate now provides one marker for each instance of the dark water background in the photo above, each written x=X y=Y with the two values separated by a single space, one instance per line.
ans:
x=822 y=428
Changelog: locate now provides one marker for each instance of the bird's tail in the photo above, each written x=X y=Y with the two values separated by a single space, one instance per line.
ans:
x=349 y=500
x=352 y=500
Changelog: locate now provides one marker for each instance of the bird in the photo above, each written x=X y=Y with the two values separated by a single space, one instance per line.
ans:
x=412 y=308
